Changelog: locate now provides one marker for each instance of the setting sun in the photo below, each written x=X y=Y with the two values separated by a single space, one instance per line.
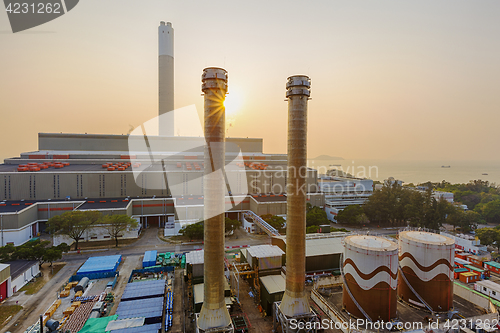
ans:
x=233 y=102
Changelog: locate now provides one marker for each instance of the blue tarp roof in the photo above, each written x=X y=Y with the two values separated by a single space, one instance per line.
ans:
x=146 y=289
x=143 y=303
x=140 y=308
x=100 y=265
x=149 y=258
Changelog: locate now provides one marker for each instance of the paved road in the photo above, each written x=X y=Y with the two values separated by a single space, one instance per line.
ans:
x=150 y=241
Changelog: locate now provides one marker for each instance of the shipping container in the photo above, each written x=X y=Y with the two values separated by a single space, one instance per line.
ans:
x=488 y=288
x=492 y=266
x=484 y=273
x=469 y=277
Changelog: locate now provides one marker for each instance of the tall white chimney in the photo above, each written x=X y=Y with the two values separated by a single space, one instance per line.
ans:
x=166 y=79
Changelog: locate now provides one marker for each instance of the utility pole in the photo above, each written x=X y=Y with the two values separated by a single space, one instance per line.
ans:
x=1 y=226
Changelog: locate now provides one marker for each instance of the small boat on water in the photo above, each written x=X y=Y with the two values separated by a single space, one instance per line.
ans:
x=445 y=166
x=484 y=174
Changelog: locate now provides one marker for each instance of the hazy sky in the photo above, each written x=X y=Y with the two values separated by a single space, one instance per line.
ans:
x=408 y=79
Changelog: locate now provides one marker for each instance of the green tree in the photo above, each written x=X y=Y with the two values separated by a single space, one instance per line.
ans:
x=491 y=211
x=489 y=236
x=73 y=224
x=231 y=225
x=33 y=250
x=52 y=254
x=193 y=231
x=316 y=216
x=312 y=229
x=465 y=220
x=117 y=224
x=350 y=215
x=277 y=222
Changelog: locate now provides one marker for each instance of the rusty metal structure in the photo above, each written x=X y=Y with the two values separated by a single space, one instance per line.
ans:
x=369 y=270
x=295 y=304
x=426 y=262
x=214 y=316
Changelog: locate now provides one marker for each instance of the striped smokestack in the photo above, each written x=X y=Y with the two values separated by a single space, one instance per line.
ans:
x=294 y=300
x=213 y=313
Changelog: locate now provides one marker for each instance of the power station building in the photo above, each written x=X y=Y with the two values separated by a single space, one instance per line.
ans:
x=72 y=173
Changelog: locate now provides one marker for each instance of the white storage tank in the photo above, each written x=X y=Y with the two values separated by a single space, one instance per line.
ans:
x=427 y=260
x=370 y=270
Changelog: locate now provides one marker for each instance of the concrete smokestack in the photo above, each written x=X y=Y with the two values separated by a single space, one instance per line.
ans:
x=213 y=313
x=294 y=300
x=166 y=79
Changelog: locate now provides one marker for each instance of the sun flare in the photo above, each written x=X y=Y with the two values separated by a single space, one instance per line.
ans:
x=233 y=102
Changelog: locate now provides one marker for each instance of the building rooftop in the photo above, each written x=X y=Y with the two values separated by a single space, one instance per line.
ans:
x=273 y=283
x=270 y=198
x=195 y=257
x=265 y=251
x=18 y=267
x=493 y=264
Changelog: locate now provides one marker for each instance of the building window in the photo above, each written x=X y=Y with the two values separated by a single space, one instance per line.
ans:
x=493 y=293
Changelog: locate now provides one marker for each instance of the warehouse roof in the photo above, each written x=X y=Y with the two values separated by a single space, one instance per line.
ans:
x=270 y=198
x=125 y=323
x=18 y=267
x=101 y=264
x=195 y=257
x=143 y=290
x=198 y=291
x=324 y=246
x=273 y=283
x=92 y=204
x=265 y=251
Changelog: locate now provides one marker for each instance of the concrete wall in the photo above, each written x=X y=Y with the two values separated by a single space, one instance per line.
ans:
x=105 y=142
x=25 y=277
x=97 y=233
x=471 y=296
x=105 y=184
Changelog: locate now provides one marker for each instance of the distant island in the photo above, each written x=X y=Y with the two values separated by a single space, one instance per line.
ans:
x=327 y=157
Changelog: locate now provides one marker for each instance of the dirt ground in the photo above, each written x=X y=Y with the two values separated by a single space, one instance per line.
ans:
x=258 y=323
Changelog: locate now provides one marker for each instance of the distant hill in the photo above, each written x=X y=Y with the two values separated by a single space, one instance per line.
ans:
x=327 y=157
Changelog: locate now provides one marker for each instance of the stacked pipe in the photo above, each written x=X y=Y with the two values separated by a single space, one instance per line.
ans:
x=214 y=313
x=294 y=300
x=41 y=166
x=169 y=310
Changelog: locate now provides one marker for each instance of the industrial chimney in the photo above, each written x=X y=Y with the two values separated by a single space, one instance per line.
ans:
x=295 y=302
x=214 y=315
x=166 y=79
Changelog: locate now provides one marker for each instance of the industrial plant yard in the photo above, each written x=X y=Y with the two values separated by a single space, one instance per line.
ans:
x=209 y=233
x=406 y=313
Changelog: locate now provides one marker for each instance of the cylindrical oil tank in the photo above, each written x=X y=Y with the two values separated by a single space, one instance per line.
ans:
x=426 y=260
x=52 y=325
x=82 y=284
x=370 y=273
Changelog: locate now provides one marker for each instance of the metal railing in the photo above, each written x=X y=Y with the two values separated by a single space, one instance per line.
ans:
x=268 y=229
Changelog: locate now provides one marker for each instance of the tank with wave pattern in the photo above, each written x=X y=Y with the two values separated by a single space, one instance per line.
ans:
x=426 y=260
x=370 y=269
